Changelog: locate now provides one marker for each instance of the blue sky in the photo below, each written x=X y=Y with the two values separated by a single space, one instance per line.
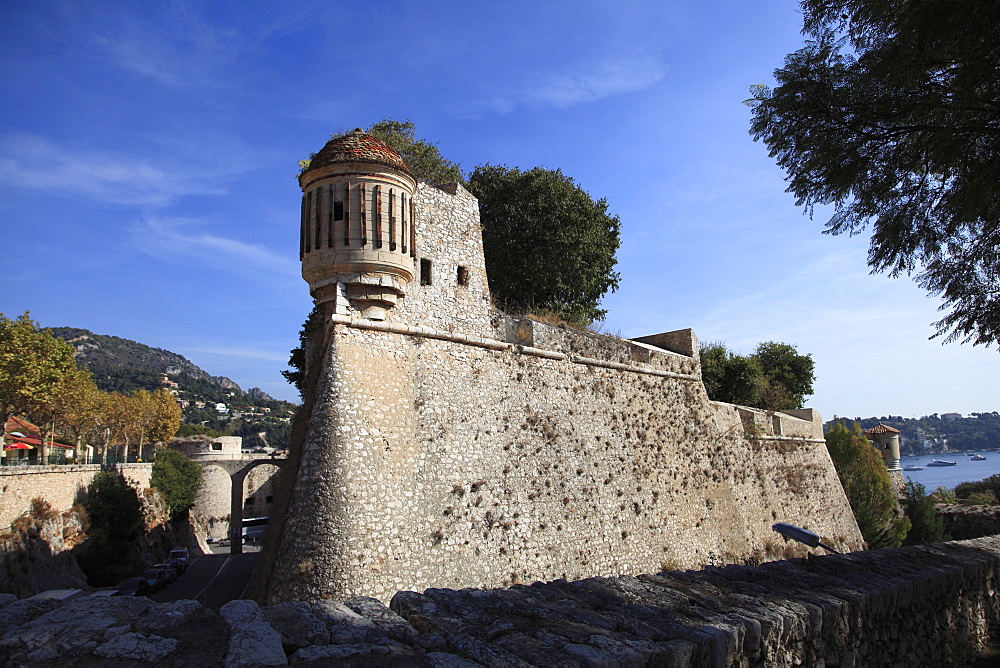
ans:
x=148 y=154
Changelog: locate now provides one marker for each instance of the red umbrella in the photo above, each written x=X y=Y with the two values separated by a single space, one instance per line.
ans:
x=17 y=446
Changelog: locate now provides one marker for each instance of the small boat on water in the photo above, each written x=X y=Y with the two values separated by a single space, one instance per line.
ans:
x=977 y=458
x=940 y=462
x=913 y=467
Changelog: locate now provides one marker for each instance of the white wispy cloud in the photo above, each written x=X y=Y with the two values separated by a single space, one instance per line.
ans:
x=567 y=89
x=178 y=48
x=184 y=239
x=33 y=162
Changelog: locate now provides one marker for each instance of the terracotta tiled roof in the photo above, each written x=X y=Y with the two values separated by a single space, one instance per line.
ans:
x=881 y=429
x=357 y=146
x=20 y=425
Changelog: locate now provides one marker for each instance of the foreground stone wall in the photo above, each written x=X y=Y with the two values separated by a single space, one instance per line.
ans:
x=918 y=606
x=443 y=459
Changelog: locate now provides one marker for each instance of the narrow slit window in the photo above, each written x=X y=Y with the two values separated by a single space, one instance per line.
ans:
x=338 y=210
x=425 y=271
x=463 y=276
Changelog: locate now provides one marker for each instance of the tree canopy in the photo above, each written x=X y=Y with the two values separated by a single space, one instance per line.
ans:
x=548 y=244
x=177 y=478
x=891 y=114
x=34 y=365
x=774 y=377
x=866 y=483
x=423 y=157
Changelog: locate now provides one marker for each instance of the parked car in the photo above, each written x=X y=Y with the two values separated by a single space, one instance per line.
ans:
x=134 y=587
x=172 y=573
x=156 y=578
x=176 y=565
x=182 y=555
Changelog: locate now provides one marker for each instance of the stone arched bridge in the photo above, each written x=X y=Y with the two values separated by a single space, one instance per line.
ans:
x=238 y=470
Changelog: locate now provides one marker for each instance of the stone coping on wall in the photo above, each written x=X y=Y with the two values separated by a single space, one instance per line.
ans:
x=650 y=368
x=68 y=468
x=51 y=468
x=923 y=605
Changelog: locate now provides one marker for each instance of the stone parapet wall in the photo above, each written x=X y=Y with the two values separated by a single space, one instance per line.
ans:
x=441 y=459
x=138 y=475
x=60 y=486
x=964 y=522
x=919 y=606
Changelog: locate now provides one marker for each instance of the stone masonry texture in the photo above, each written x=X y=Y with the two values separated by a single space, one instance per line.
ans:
x=451 y=445
x=930 y=605
x=60 y=486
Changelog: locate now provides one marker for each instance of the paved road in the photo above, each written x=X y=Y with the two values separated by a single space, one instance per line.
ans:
x=212 y=580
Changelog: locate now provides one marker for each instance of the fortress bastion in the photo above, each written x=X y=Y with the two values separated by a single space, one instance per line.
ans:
x=443 y=443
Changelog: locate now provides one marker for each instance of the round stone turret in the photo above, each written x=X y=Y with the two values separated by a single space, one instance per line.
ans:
x=886 y=439
x=357 y=239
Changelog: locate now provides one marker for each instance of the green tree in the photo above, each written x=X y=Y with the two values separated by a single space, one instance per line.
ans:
x=548 y=244
x=422 y=157
x=984 y=498
x=942 y=495
x=867 y=485
x=186 y=429
x=774 y=377
x=891 y=114
x=296 y=374
x=991 y=484
x=730 y=377
x=926 y=526
x=788 y=376
x=112 y=550
x=34 y=366
x=177 y=479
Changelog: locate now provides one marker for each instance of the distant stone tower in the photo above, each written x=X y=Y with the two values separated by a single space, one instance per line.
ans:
x=886 y=439
x=357 y=239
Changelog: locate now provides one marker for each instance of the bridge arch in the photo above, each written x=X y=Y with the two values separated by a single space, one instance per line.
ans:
x=238 y=470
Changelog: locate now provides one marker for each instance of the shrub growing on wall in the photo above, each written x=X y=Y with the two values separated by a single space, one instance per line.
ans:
x=177 y=479
x=866 y=482
x=775 y=377
x=548 y=244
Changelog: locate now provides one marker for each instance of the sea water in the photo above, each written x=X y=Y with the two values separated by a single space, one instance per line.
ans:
x=964 y=470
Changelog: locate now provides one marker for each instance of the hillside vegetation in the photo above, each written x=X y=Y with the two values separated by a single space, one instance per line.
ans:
x=124 y=366
x=933 y=433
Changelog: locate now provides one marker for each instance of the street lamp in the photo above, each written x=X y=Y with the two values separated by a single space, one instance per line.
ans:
x=801 y=535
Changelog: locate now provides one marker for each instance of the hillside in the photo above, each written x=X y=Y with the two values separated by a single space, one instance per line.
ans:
x=934 y=433
x=121 y=365
x=214 y=403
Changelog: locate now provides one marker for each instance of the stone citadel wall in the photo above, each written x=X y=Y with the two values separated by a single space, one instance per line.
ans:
x=439 y=459
x=445 y=444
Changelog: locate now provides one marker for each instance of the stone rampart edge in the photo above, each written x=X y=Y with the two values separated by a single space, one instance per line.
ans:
x=494 y=344
x=800 y=439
